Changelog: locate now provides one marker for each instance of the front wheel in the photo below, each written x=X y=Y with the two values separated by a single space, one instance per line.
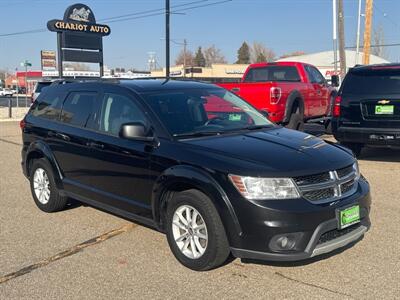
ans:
x=195 y=232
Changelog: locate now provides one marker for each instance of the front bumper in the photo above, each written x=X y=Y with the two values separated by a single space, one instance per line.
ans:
x=317 y=226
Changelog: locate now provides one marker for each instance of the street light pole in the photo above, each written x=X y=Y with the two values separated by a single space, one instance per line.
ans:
x=184 y=57
x=167 y=41
x=358 y=32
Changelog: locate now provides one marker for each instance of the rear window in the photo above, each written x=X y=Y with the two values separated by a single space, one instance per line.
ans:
x=48 y=105
x=79 y=108
x=372 y=82
x=273 y=73
x=40 y=86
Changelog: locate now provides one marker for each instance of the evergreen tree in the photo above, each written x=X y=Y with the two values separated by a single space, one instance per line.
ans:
x=199 y=59
x=243 y=54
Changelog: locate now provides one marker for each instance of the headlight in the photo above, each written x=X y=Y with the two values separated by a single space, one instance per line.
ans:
x=265 y=188
x=356 y=170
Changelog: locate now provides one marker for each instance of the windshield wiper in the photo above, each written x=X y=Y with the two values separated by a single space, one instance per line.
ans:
x=255 y=127
x=197 y=133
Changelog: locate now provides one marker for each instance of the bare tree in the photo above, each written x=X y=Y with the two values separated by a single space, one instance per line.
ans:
x=180 y=59
x=260 y=53
x=379 y=40
x=213 y=55
x=294 y=53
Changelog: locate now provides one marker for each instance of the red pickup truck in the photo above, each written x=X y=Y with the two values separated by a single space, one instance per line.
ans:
x=291 y=92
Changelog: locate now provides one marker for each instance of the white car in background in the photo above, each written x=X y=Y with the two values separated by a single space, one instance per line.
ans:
x=6 y=93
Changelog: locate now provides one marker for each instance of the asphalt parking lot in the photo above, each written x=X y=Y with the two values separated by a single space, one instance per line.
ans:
x=85 y=253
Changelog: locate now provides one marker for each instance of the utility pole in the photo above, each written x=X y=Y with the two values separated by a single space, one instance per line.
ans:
x=342 y=53
x=358 y=32
x=184 y=57
x=334 y=34
x=367 y=31
x=167 y=41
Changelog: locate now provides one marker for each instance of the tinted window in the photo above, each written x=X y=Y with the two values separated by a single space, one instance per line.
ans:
x=314 y=75
x=117 y=110
x=372 y=82
x=273 y=73
x=48 y=105
x=41 y=85
x=196 y=111
x=79 y=108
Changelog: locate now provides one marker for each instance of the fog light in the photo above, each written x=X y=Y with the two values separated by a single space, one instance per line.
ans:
x=285 y=242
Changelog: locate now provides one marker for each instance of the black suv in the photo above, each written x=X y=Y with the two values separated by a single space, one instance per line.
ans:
x=367 y=108
x=197 y=162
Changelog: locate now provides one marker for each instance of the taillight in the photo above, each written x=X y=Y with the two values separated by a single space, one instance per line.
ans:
x=336 y=107
x=22 y=124
x=276 y=94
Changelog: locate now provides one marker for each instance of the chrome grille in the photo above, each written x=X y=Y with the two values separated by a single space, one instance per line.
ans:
x=328 y=186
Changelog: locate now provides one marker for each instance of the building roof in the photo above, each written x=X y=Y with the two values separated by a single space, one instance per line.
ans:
x=326 y=59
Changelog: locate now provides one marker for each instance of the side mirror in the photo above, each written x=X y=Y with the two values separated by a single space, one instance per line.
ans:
x=335 y=80
x=135 y=131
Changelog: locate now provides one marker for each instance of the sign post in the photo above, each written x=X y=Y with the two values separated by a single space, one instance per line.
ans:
x=26 y=64
x=79 y=37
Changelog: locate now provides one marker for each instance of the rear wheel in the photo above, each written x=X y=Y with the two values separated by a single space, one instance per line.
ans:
x=355 y=147
x=195 y=232
x=43 y=187
x=296 y=121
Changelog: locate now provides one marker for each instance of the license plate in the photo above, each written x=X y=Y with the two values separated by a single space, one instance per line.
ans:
x=384 y=109
x=349 y=216
x=235 y=117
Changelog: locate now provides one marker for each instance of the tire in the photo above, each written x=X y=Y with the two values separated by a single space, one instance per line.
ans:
x=296 y=122
x=215 y=247
x=355 y=147
x=49 y=200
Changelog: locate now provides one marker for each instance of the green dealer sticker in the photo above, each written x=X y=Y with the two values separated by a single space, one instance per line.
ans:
x=384 y=109
x=349 y=216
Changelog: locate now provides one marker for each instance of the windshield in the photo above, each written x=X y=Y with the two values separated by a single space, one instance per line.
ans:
x=375 y=82
x=204 y=111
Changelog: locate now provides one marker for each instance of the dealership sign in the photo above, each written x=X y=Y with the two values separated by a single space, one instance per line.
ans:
x=79 y=37
x=48 y=60
x=78 y=18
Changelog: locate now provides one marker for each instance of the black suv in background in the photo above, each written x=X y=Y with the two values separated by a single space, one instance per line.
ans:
x=197 y=162
x=367 y=108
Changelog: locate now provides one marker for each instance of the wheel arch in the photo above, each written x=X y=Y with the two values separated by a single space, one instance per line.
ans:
x=294 y=100
x=39 y=150
x=181 y=178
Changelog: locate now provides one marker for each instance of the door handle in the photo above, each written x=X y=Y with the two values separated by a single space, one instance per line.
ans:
x=59 y=135
x=235 y=90
x=95 y=145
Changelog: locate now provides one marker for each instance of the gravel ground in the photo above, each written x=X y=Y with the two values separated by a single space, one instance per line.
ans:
x=85 y=253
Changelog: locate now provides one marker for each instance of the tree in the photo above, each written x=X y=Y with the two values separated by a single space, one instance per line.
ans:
x=260 y=53
x=243 y=56
x=199 y=59
x=180 y=58
x=213 y=55
x=294 y=53
x=379 y=40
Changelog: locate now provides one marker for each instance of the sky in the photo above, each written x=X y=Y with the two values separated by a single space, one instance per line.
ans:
x=282 y=25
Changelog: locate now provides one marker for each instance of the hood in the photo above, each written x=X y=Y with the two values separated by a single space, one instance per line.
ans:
x=278 y=150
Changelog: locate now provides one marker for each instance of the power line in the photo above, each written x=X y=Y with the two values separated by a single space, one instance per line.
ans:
x=137 y=15
x=151 y=10
x=379 y=45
